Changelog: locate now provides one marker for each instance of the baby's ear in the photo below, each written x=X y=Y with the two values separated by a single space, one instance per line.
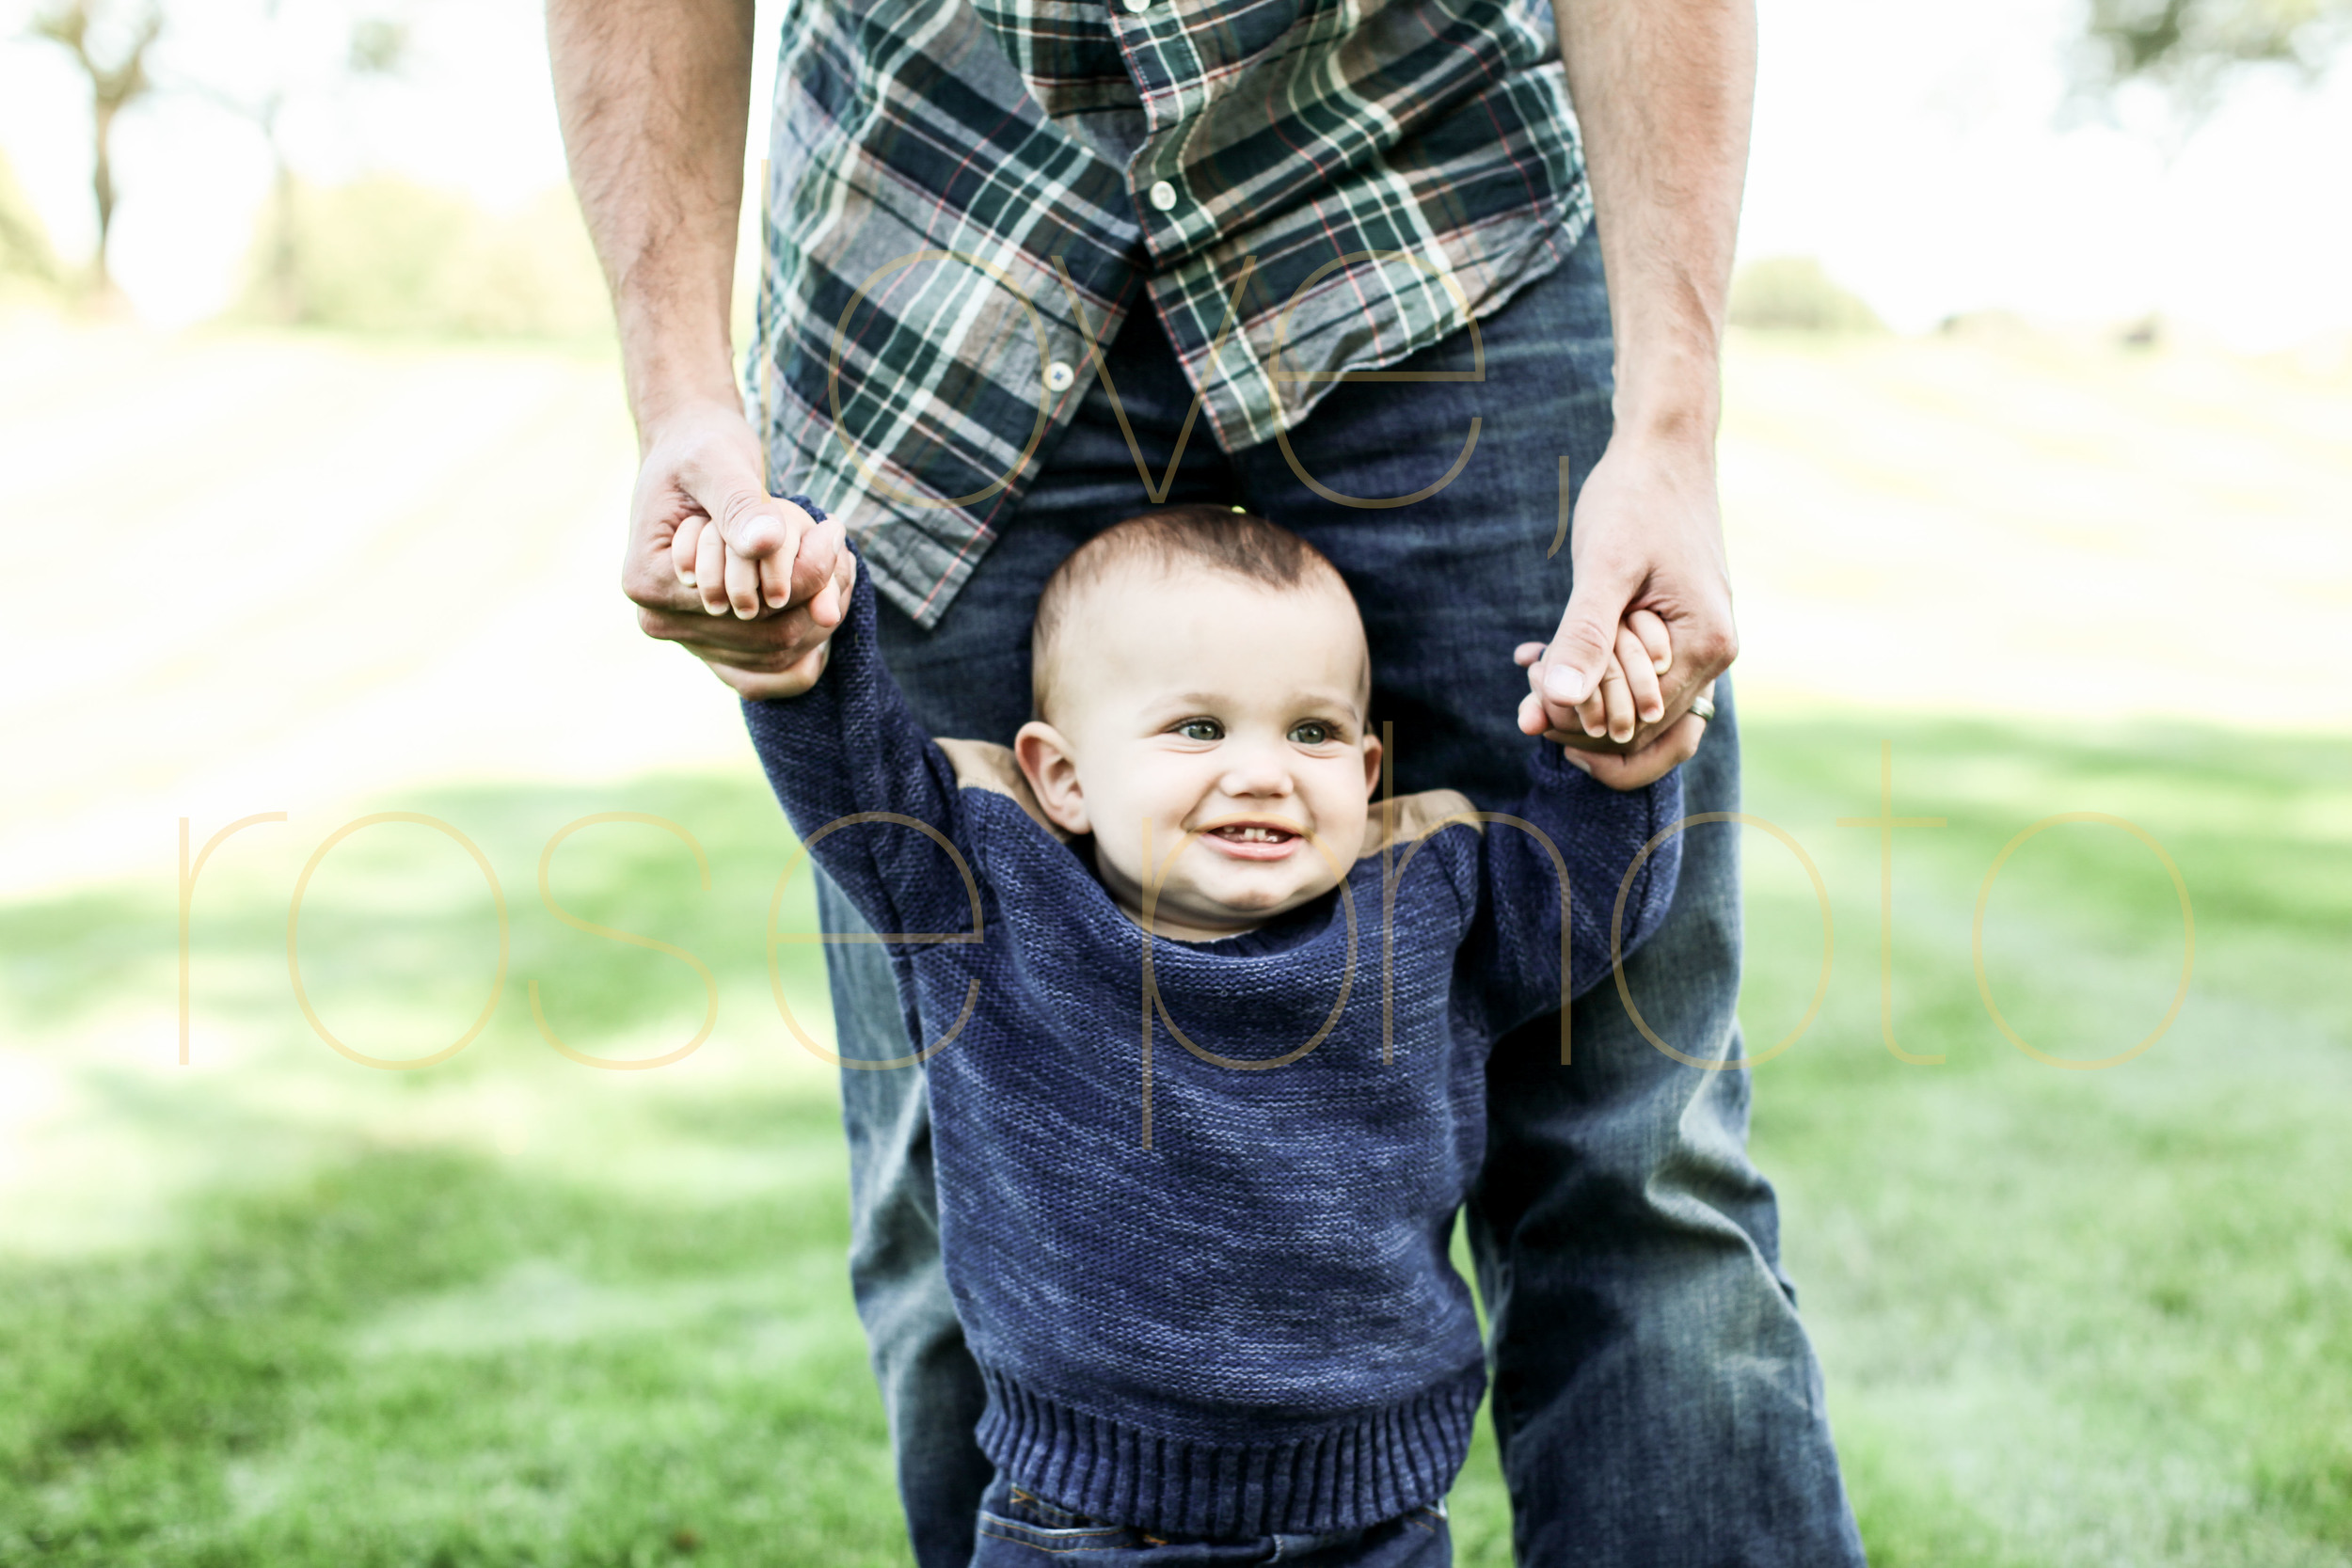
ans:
x=1046 y=761
x=1372 y=765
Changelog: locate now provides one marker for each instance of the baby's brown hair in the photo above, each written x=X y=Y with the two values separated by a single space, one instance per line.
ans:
x=1221 y=538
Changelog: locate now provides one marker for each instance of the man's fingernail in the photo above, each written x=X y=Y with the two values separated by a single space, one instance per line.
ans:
x=1568 y=753
x=1563 y=684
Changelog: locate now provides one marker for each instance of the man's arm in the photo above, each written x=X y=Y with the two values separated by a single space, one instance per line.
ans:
x=654 y=98
x=1664 y=90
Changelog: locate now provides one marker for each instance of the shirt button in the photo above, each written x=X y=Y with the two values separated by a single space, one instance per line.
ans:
x=1163 y=196
x=1059 y=376
x=1138 y=7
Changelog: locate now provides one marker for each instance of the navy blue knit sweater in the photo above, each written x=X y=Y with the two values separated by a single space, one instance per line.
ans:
x=1201 y=1264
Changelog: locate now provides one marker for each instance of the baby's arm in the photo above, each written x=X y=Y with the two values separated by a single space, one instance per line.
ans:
x=1619 y=862
x=866 y=790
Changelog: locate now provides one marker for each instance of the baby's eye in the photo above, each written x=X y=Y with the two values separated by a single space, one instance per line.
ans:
x=1313 y=732
x=1201 y=729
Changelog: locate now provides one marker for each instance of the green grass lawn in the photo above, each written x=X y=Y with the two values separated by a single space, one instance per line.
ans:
x=276 y=1307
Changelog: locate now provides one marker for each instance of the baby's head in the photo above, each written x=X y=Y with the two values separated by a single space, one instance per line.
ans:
x=1202 y=683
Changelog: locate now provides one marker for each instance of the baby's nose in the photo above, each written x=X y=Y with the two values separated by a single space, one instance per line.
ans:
x=1259 y=774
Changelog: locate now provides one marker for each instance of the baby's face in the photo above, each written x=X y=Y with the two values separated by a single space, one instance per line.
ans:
x=1209 y=732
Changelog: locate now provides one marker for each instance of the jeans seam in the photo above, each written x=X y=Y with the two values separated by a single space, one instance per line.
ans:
x=1019 y=1540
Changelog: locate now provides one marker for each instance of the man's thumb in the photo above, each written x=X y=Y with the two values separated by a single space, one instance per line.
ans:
x=1580 y=649
x=751 y=522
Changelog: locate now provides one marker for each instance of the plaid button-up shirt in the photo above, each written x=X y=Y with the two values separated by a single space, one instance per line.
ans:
x=964 y=195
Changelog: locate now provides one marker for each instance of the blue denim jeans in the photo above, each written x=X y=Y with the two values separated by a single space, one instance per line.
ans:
x=1020 y=1529
x=1655 y=1397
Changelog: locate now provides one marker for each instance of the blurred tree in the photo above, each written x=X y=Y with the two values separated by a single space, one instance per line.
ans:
x=1791 y=294
x=2191 y=47
x=110 y=44
x=25 y=254
x=383 y=255
x=378 y=46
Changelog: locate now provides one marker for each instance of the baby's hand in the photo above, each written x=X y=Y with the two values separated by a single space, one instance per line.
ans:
x=792 y=568
x=1628 y=691
x=812 y=568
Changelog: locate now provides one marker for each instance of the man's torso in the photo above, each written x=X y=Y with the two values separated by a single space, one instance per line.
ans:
x=965 y=200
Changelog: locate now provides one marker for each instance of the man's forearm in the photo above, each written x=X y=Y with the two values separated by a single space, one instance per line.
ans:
x=654 y=96
x=1664 y=91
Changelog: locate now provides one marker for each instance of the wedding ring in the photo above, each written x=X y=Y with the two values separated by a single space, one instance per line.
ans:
x=1702 y=709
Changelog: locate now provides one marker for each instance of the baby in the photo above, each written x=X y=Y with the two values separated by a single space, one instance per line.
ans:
x=1205 y=1031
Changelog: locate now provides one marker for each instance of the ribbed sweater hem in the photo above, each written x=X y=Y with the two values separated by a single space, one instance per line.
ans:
x=1357 y=1470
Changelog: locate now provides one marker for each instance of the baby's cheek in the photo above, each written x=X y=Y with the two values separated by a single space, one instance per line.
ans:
x=1341 y=829
x=1121 y=852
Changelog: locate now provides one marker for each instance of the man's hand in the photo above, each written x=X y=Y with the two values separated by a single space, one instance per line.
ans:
x=1668 y=744
x=1664 y=92
x=1647 y=541
x=750 y=585
x=654 y=100
x=1676 y=743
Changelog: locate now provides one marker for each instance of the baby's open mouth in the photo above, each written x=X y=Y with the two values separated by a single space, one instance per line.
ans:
x=1252 y=832
x=1252 y=841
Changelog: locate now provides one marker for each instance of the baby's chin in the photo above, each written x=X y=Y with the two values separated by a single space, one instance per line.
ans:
x=1232 y=897
x=1245 y=899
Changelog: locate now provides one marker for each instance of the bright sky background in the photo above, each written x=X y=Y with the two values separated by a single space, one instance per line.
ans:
x=1917 y=150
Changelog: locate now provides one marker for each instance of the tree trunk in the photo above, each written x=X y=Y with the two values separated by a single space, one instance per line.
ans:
x=102 y=181
x=284 y=268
